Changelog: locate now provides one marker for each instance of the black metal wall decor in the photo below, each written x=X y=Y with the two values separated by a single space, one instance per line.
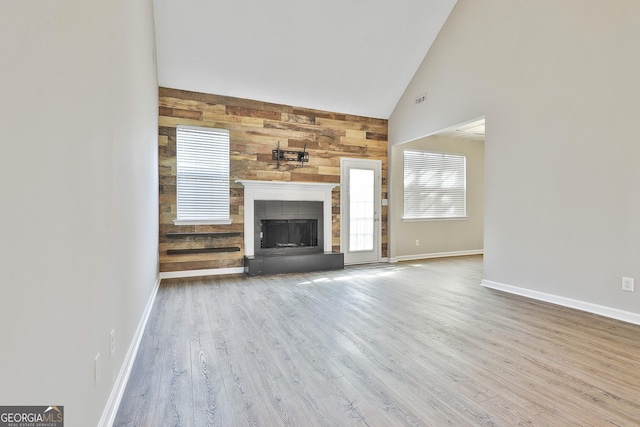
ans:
x=290 y=156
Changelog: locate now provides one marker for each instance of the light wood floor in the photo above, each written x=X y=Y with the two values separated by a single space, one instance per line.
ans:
x=417 y=343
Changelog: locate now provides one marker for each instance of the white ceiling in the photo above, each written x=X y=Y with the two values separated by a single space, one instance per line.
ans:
x=472 y=130
x=347 y=56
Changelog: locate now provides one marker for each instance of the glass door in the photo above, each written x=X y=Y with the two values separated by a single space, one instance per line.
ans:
x=360 y=210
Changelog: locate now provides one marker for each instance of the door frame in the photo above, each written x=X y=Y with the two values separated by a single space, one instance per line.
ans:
x=345 y=164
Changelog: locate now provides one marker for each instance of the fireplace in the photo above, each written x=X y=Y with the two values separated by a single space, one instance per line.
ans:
x=287 y=227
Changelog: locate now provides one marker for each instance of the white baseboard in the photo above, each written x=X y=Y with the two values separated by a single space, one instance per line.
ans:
x=379 y=260
x=111 y=409
x=436 y=255
x=196 y=273
x=614 y=313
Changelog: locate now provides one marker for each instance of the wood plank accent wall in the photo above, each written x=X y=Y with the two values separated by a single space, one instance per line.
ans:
x=255 y=128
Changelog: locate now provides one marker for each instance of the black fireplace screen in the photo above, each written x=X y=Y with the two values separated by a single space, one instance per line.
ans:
x=288 y=233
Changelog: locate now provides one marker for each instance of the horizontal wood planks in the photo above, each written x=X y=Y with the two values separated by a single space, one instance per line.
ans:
x=417 y=343
x=255 y=129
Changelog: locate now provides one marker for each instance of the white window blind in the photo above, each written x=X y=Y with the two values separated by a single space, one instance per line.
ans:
x=434 y=185
x=202 y=175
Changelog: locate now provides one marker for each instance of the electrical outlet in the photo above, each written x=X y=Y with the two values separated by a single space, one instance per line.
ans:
x=97 y=369
x=112 y=341
x=417 y=242
x=627 y=284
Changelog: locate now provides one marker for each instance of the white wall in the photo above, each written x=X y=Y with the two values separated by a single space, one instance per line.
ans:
x=558 y=83
x=78 y=185
x=445 y=236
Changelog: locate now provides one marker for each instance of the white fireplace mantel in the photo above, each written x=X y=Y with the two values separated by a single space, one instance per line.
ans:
x=285 y=191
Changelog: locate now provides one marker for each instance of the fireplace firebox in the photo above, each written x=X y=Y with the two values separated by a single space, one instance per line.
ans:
x=288 y=233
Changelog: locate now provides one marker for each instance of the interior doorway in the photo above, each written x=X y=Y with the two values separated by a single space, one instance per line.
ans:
x=413 y=236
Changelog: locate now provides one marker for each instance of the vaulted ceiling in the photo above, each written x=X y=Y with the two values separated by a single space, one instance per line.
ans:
x=348 y=56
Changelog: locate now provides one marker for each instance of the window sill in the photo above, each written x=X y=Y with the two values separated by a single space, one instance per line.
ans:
x=201 y=222
x=454 y=218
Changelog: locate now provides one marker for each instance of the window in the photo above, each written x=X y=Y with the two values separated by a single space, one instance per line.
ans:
x=202 y=156
x=434 y=185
